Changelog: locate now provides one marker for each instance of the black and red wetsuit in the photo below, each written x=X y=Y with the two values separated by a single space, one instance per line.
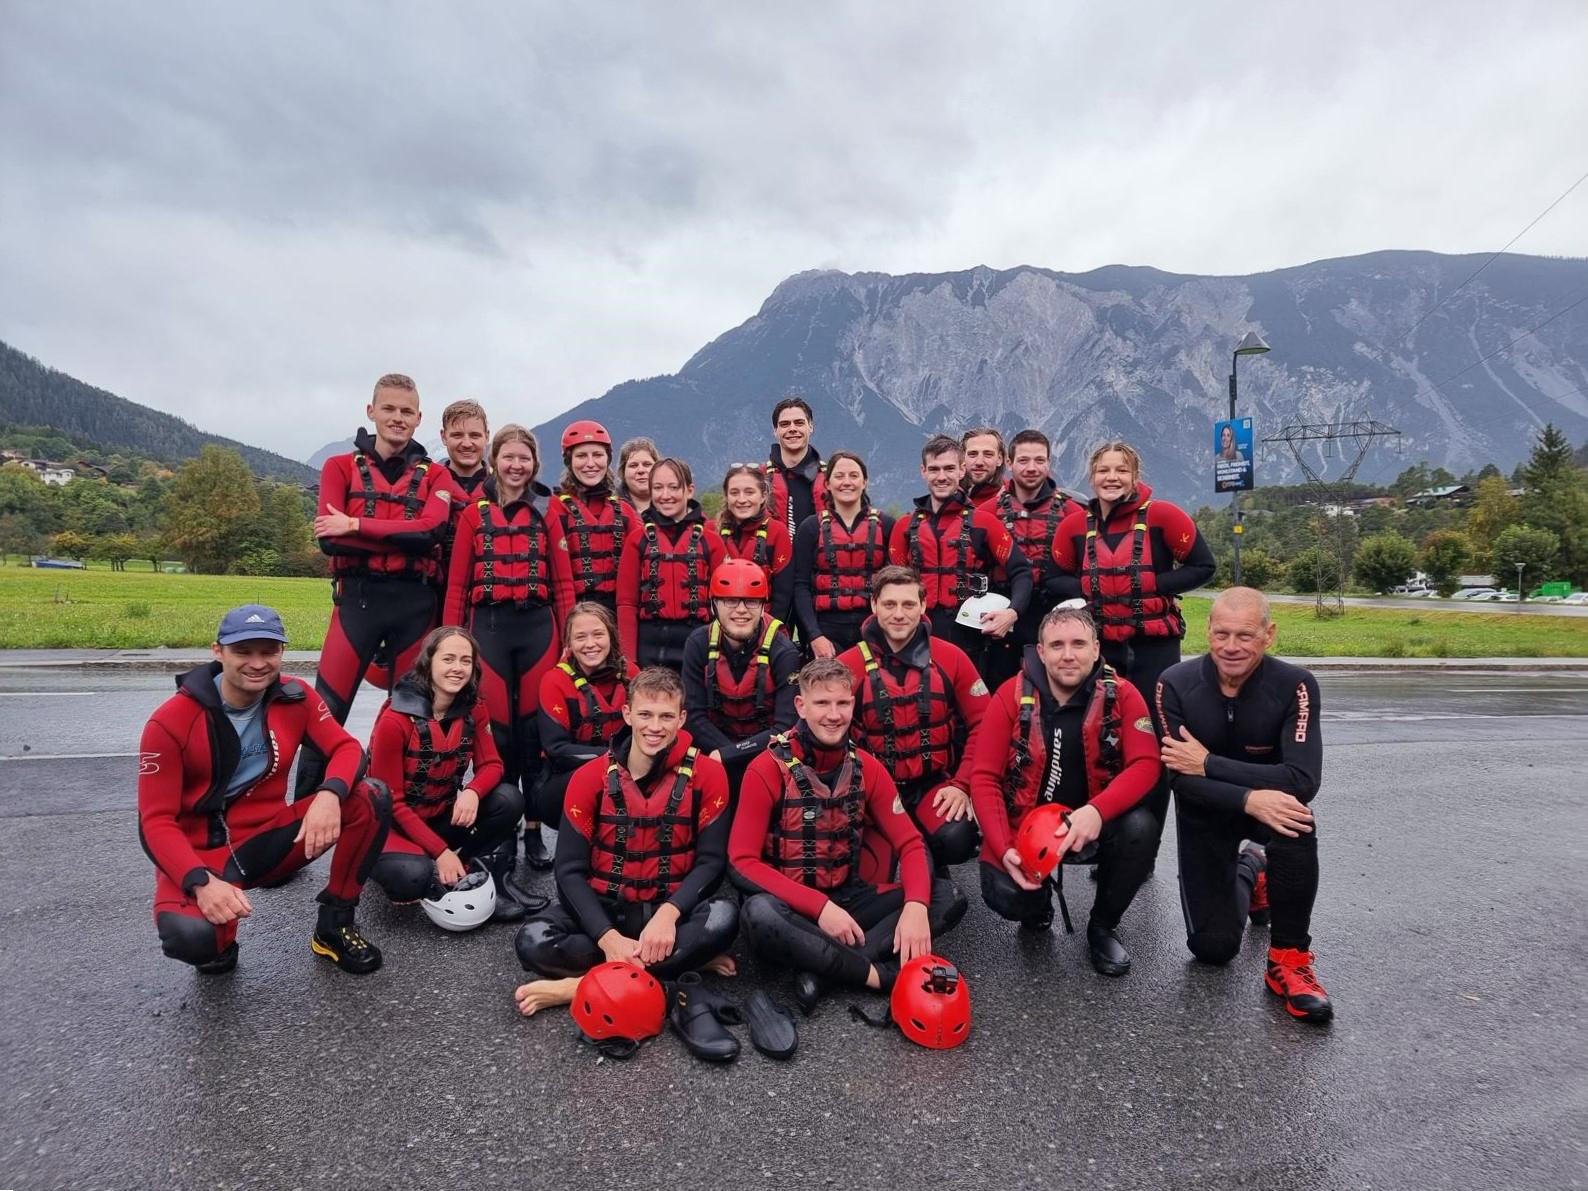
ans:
x=918 y=709
x=500 y=589
x=424 y=760
x=950 y=548
x=1032 y=524
x=834 y=561
x=739 y=695
x=1264 y=737
x=1098 y=748
x=627 y=846
x=766 y=543
x=595 y=525
x=385 y=577
x=664 y=579
x=797 y=492
x=193 y=831
x=579 y=715
x=816 y=825
x=980 y=493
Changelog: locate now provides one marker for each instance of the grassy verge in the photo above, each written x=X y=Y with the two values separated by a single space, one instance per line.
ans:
x=100 y=609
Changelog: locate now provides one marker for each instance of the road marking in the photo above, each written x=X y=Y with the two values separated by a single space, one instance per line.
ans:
x=1531 y=690
x=48 y=694
x=63 y=756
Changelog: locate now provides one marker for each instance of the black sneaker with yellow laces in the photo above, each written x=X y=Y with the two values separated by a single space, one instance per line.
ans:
x=346 y=948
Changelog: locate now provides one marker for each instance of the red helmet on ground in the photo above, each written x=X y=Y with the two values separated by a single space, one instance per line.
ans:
x=931 y=1003
x=739 y=578
x=618 y=1000
x=1038 y=839
x=579 y=433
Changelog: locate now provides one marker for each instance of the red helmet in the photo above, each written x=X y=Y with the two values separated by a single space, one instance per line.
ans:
x=1037 y=841
x=618 y=1000
x=739 y=578
x=931 y=1003
x=583 y=432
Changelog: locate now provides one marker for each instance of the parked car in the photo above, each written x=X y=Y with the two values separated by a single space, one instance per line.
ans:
x=1506 y=597
x=1484 y=597
x=1472 y=593
x=1576 y=599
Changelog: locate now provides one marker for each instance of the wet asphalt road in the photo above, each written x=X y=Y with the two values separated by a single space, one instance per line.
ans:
x=1449 y=929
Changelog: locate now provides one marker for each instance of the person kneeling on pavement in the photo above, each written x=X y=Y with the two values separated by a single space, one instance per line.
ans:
x=814 y=814
x=1067 y=729
x=434 y=730
x=213 y=813
x=1245 y=757
x=641 y=850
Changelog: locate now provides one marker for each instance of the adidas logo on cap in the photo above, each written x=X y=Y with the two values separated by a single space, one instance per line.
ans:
x=255 y=618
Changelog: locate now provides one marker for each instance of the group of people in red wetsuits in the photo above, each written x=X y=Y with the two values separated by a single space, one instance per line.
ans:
x=789 y=723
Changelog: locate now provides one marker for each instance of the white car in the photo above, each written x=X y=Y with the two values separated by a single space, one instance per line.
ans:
x=1472 y=593
x=1506 y=597
x=1484 y=597
x=1576 y=599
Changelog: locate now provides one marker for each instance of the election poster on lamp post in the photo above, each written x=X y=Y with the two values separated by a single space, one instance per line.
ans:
x=1232 y=455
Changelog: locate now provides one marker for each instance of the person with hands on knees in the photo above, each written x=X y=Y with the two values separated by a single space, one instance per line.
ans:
x=432 y=734
x=640 y=854
x=739 y=671
x=1245 y=756
x=213 y=813
x=919 y=702
x=836 y=552
x=581 y=702
x=1070 y=731
x=811 y=810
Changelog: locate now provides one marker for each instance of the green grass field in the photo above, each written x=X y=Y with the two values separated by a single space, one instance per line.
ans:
x=101 y=609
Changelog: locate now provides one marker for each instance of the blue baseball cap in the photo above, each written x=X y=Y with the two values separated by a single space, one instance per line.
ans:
x=251 y=622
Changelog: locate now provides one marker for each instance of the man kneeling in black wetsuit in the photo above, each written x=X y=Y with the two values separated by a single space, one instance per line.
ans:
x=640 y=852
x=815 y=817
x=1246 y=757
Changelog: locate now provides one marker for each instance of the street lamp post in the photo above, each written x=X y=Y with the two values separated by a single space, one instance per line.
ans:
x=1519 y=596
x=1251 y=345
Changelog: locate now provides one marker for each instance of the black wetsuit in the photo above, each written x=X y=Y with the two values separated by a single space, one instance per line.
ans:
x=1265 y=737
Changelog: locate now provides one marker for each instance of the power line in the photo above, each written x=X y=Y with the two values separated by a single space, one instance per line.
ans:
x=1501 y=350
x=1493 y=258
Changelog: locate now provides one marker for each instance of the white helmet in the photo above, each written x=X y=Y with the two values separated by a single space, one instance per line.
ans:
x=970 y=612
x=466 y=905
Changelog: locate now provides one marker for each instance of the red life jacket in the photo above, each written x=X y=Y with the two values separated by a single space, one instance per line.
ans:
x=1121 y=582
x=595 y=543
x=674 y=576
x=643 y=848
x=778 y=505
x=910 y=724
x=435 y=762
x=592 y=719
x=738 y=543
x=742 y=706
x=512 y=563
x=815 y=829
x=1032 y=529
x=370 y=494
x=845 y=562
x=1100 y=738
x=948 y=576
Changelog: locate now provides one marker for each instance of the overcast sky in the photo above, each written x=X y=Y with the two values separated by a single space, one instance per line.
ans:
x=242 y=215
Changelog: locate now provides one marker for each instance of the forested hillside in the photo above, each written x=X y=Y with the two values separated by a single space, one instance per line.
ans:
x=32 y=394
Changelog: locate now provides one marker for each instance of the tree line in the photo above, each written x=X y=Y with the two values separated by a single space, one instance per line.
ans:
x=212 y=514
x=1536 y=517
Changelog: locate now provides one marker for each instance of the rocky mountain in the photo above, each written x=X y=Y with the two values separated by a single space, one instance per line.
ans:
x=1140 y=354
x=32 y=394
